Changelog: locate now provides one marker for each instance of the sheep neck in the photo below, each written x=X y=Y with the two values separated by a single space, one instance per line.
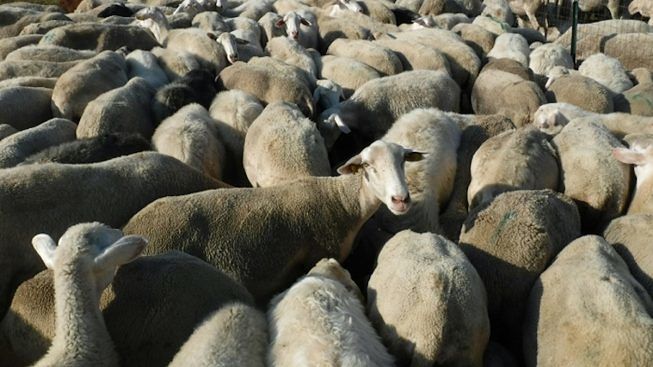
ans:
x=80 y=330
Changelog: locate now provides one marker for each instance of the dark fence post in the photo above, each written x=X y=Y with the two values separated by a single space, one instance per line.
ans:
x=574 y=30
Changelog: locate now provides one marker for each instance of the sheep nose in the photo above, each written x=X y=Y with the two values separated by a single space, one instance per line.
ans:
x=396 y=199
x=294 y=34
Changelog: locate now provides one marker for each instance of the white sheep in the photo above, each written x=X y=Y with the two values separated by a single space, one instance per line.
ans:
x=608 y=71
x=275 y=228
x=552 y=117
x=520 y=159
x=499 y=10
x=511 y=46
x=144 y=64
x=528 y=8
x=547 y=56
x=640 y=154
x=375 y=55
x=344 y=6
x=194 y=7
x=235 y=335
x=430 y=181
x=589 y=5
x=25 y=107
x=300 y=26
x=84 y=264
x=17 y=147
x=428 y=303
x=292 y=53
x=282 y=145
x=643 y=7
x=321 y=320
x=190 y=135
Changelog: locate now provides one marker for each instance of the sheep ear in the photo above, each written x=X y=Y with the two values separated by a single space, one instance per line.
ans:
x=628 y=156
x=121 y=252
x=46 y=248
x=212 y=36
x=336 y=119
x=280 y=23
x=413 y=156
x=352 y=165
x=305 y=22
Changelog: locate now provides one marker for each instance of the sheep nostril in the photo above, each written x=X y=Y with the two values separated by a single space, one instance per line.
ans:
x=400 y=199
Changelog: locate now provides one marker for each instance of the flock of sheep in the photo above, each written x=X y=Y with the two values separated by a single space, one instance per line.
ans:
x=483 y=209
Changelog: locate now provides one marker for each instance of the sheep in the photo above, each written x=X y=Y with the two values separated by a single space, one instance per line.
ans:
x=210 y=21
x=190 y=135
x=580 y=91
x=194 y=7
x=6 y=130
x=25 y=107
x=139 y=296
x=430 y=181
x=637 y=100
x=144 y=64
x=477 y=129
x=443 y=21
x=644 y=8
x=594 y=37
x=589 y=5
x=44 y=69
x=551 y=118
x=197 y=86
x=435 y=313
x=528 y=8
x=235 y=335
x=629 y=235
x=282 y=145
x=588 y=289
x=548 y=56
x=91 y=150
x=606 y=70
x=29 y=81
x=175 y=64
x=135 y=181
x=499 y=10
x=269 y=30
x=17 y=147
x=520 y=159
x=639 y=152
x=511 y=240
x=100 y=37
x=122 y=110
x=85 y=81
x=416 y=56
x=346 y=72
x=49 y=53
x=375 y=55
x=373 y=108
x=321 y=319
x=327 y=94
x=292 y=53
x=268 y=84
x=499 y=90
x=15 y=19
x=512 y=46
x=621 y=124
x=84 y=263
x=331 y=28
x=44 y=27
x=299 y=26
x=7 y=45
x=620 y=47
x=476 y=37
x=604 y=196
x=278 y=223
x=252 y=9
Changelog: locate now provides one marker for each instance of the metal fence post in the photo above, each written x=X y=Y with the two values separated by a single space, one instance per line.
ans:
x=574 y=30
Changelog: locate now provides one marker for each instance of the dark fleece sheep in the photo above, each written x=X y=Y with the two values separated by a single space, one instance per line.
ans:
x=91 y=150
x=197 y=86
x=511 y=241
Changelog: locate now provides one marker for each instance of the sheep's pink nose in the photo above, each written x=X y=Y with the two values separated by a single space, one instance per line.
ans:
x=401 y=199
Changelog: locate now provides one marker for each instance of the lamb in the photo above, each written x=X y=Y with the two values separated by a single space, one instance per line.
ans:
x=380 y=58
x=512 y=46
x=262 y=79
x=86 y=81
x=580 y=91
x=551 y=118
x=84 y=263
x=17 y=147
x=6 y=130
x=91 y=150
x=372 y=110
x=235 y=335
x=605 y=196
x=292 y=53
x=321 y=319
x=25 y=107
x=629 y=235
x=44 y=69
x=269 y=29
x=430 y=181
x=279 y=223
x=282 y=145
x=436 y=312
x=140 y=297
x=644 y=8
x=346 y=72
x=100 y=37
x=49 y=53
x=136 y=180
x=588 y=287
x=144 y=64
x=512 y=240
x=546 y=57
x=520 y=159
x=639 y=154
x=190 y=135
x=197 y=86
x=608 y=71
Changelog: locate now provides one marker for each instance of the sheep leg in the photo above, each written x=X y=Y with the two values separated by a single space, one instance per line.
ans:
x=613 y=6
x=532 y=19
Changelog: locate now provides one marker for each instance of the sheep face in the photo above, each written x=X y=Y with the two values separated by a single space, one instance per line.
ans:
x=228 y=42
x=292 y=22
x=382 y=164
x=331 y=268
x=91 y=250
